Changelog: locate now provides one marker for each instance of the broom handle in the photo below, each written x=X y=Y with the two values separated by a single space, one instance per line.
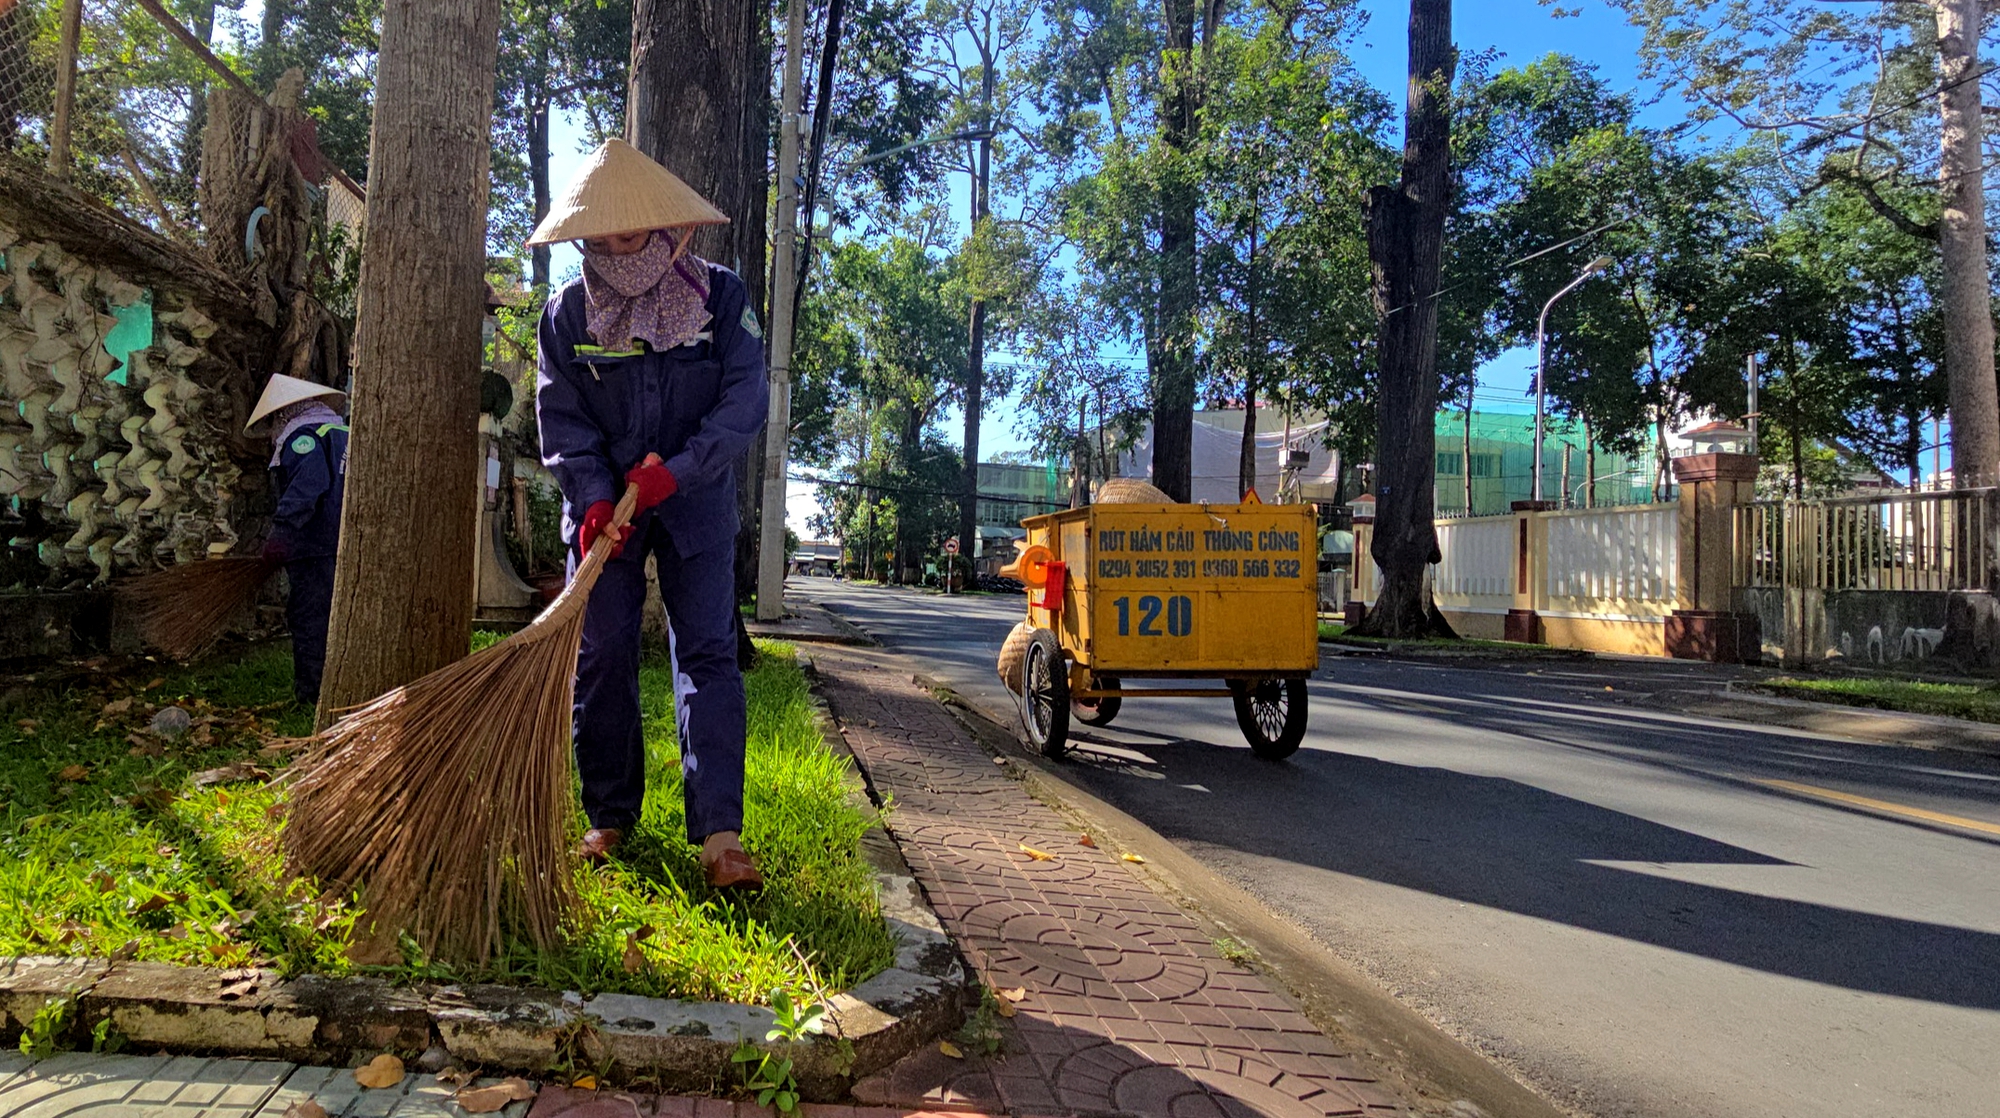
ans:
x=607 y=540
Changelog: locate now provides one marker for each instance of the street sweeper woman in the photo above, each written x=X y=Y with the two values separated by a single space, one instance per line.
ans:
x=308 y=474
x=652 y=375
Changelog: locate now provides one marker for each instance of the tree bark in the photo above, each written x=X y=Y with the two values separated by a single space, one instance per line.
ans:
x=1405 y=246
x=1967 y=296
x=403 y=585
x=699 y=102
x=1173 y=370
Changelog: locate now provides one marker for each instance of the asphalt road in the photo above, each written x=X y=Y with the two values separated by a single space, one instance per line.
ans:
x=1618 y=903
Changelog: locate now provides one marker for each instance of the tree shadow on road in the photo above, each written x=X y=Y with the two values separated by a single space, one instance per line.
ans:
x=1511 y=846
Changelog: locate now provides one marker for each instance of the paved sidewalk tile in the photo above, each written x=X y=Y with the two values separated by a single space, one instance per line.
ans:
x=1129 y=1007
x=139 y=1086
x=336 y=1090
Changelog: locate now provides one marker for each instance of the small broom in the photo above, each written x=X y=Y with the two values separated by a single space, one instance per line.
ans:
x=183 y=609
x=448 y=800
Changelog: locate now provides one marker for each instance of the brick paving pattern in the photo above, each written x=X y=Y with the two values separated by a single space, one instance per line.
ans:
x=1129 y=1007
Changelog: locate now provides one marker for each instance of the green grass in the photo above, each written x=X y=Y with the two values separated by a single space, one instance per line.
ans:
x=1978 y=702
x=109 y=847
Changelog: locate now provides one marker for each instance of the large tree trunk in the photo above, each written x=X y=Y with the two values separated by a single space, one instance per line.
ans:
x=403 y=587
x=1173 y=371
x=1967 y=297
x=1405 y=242
x=700 y=104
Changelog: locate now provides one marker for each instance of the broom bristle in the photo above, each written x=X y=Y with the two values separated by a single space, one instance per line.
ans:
x=448 y=802
x=184 y=609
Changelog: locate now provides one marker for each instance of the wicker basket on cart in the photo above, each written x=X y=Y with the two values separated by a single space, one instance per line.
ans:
x=1128 y=491
x=1012 y=653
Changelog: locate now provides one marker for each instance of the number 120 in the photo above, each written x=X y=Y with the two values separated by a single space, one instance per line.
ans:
x=1179 y=610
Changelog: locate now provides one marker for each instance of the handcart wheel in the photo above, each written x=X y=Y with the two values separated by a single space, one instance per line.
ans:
x=1045 y=694
x=1097 y=712
x=1272 y=715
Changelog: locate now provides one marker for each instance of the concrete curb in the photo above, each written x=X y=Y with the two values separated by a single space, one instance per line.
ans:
x=1741 y=701
x=1414 y=651
x=1347 y=1005
x=673 y=1046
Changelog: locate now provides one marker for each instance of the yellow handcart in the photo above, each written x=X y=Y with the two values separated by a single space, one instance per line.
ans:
x=1170 y=592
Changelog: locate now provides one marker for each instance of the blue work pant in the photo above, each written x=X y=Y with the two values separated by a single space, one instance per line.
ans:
x=308 y=606
x=700 y=596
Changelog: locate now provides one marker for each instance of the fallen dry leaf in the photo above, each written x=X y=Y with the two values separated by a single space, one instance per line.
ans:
x=457 y=1077
x=585 y=1083
x=1133 y=858
x=305 y=1108
x=382 y=1071
x=28 y=724
x=1005 y=1008
x=635 y=959
x=222 y=799
x=1037 y=855
x=999 y=760
x=235 y=770
x=129 y=950
x=178 y=931
x=104 y=881
x=950 y=1049
x=1085 y=840
x=644 y=932
x=117 y=706
x=241 y=988
x=486 y=1100
x=73 y=773
x=147 y=749
x=1017 y=994
x=167 y=850
x=158 y=901
x=153 y=684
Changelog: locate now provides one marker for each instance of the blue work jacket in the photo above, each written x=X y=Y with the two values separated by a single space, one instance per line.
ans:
x=697 y=407
x=310 y=480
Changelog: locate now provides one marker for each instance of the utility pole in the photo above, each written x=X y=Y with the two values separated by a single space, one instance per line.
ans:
x=784 y=294
x=975 y=365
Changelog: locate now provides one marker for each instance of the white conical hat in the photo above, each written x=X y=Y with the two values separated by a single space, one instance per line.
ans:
x=621 y=190
x=284 y=391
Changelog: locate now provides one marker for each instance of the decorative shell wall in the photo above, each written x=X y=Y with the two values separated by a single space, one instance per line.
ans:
x=106 y=466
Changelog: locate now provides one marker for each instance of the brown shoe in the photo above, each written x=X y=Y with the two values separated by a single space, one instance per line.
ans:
x=598 y=843
x=732 y=869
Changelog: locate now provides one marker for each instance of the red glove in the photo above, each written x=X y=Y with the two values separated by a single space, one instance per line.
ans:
x=595 y=520
x=656 y=483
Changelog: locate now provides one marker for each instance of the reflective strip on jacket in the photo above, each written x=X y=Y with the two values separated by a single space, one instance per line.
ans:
x=697 y=406
x=311 y=482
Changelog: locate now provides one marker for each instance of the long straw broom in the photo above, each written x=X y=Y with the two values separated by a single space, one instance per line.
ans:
x=448 y=801
x=184 y=609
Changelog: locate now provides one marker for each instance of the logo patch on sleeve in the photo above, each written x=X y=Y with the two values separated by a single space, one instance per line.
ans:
x=302 y=445
x=750 y=323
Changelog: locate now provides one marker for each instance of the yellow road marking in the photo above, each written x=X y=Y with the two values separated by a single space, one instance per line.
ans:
x=1883 y=805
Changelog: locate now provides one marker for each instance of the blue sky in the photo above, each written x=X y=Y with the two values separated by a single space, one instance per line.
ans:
x=1520 y=30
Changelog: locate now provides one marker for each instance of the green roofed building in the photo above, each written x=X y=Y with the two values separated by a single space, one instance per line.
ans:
x=1499 y=457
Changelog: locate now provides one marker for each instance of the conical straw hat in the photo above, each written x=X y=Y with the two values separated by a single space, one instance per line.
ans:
x=621 y=190
x=284 y=391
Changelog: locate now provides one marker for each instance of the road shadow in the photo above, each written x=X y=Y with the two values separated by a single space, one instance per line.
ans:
x=1507 y=845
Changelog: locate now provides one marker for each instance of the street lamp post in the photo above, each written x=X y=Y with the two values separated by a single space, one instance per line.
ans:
x=1541 y=330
